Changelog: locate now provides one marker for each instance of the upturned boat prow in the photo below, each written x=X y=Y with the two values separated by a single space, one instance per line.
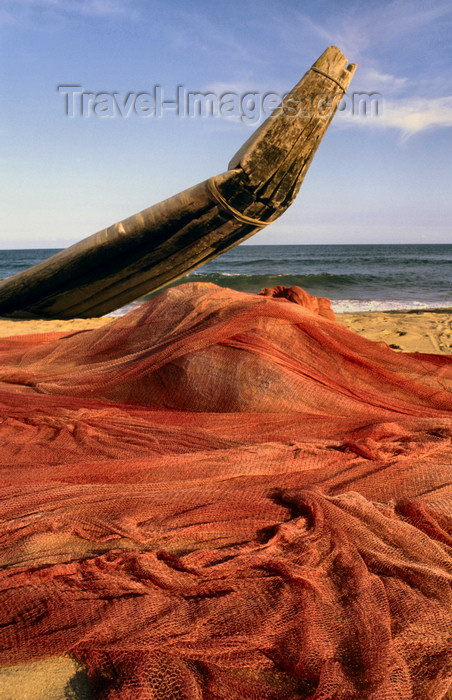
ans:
x=166 y=241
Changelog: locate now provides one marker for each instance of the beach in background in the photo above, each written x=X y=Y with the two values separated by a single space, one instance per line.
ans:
x=397 y=294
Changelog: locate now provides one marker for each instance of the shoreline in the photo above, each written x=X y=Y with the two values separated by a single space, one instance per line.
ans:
x=413 y=330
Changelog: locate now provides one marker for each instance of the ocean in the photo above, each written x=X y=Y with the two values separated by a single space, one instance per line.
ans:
x=354 y=277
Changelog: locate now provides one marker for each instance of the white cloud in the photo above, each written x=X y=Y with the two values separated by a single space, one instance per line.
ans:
x=382 y=38
x=215 y=41
x=409 y=116
x=376 y=80
x=102 y=8
x=356 y=31
x=414 y=115
x=18 y=11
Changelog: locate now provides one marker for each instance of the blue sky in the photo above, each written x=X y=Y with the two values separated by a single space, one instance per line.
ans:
x=384 y=179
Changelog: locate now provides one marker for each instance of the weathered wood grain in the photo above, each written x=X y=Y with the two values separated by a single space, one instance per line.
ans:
x=162 y=243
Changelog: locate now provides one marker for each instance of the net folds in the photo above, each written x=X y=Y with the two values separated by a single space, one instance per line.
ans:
x=227 y=495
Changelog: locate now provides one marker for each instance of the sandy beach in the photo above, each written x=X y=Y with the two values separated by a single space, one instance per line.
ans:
x=412 y=331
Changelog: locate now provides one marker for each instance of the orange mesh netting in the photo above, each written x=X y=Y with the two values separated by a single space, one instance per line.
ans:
x=226 y=495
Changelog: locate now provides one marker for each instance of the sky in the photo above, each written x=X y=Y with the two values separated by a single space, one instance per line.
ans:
x=382 y=178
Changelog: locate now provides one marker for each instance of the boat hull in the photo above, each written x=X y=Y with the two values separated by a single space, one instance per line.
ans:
x=159 y=245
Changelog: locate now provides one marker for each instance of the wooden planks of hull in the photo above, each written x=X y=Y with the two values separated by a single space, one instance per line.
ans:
x=166 y=241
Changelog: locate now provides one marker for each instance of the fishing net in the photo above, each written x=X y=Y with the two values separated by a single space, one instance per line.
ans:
x=227 y=495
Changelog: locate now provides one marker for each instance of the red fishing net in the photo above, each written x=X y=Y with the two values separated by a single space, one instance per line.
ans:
x=225 y=495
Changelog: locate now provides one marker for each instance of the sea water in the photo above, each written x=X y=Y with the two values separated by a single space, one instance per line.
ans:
x=354 y=277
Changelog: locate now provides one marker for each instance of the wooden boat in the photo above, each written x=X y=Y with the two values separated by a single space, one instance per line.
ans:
x=166 y=241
